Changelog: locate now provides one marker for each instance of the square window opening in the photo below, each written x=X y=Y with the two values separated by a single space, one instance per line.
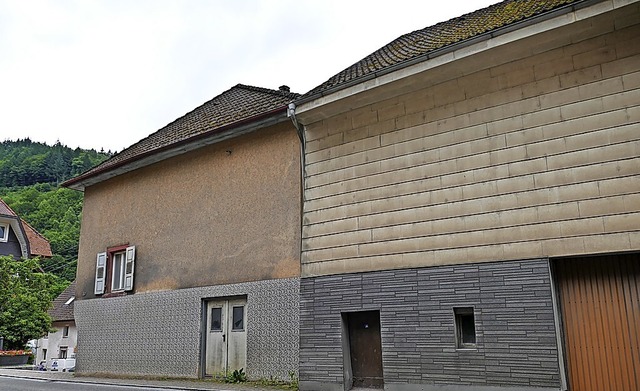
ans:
x=465 y=328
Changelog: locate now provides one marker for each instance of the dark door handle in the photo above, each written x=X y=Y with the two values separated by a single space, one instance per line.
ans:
x=223 y=337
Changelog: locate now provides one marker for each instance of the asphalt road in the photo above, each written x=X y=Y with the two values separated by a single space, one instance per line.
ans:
x=21 y=384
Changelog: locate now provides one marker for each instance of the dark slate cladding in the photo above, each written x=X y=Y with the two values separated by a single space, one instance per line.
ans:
x=514 y=318
x=11 y=246
x=235 y=106
x=421 y=42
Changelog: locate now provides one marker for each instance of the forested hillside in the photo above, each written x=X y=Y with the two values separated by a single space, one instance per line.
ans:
x=24 y=162
x=30 y=173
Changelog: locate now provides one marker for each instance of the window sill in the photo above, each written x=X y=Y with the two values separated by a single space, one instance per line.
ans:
x=467 y=349
x=114 y=294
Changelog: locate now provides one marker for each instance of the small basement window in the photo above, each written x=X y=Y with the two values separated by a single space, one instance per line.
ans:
x=465 y=327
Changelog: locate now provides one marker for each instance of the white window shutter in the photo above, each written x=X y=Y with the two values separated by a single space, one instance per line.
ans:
x=130 y=259
x=101 y=265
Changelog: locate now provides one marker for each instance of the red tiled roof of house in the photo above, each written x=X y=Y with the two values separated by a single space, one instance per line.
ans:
x=5 y=210
x=38 y=244
x=420 y=43
x=60 y=310
x=238 y=105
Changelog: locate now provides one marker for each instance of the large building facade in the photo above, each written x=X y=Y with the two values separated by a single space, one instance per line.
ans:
x=189 y=255
x=472 y=195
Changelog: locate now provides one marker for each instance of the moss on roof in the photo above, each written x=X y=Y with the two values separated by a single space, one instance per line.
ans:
x=421 y=42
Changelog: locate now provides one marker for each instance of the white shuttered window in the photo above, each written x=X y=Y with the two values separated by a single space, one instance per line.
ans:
x=130 y=257
x=101 y=264
x=121 y=265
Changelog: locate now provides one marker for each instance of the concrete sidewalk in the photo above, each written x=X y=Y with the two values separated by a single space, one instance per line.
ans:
x=169 y=384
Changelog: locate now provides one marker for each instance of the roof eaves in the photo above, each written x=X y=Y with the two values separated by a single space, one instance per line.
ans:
x=82 y=180
x=450 y=48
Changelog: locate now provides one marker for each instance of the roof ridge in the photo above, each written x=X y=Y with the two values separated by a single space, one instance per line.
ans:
x=227 y=110
x=265 y=90
x=239 y=85
x=460 y=17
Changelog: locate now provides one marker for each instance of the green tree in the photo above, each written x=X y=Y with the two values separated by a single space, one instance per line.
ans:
x=26 y=294
x=56 y=214
x=24 y=162
x=29 y=175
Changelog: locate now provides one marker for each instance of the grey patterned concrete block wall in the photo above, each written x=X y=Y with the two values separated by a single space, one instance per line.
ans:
x=158 y=333
x=515 y=326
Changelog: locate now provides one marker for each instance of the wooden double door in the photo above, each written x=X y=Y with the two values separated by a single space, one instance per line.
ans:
x=226 y=335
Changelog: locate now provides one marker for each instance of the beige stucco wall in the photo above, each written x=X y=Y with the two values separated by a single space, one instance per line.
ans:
x=528 y=150
x=203 y=218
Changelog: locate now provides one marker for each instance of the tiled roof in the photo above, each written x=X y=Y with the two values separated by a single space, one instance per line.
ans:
x=38 y=244
x=238 y=105
x=60 y=310
x=421 y=42
x=5 y=210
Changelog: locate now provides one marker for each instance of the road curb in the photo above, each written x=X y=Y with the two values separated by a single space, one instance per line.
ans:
x=54 y=378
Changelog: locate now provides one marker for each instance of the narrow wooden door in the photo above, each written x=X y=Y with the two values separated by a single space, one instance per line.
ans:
x=600 y=303
x=365 y=345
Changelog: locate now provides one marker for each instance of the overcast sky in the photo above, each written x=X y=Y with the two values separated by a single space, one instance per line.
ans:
x=107 y=73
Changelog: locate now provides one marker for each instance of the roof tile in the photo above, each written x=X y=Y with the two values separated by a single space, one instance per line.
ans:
x=60 y=310
x=238 y=104
x=438 y=36
x=38 y=244
x=5 y=210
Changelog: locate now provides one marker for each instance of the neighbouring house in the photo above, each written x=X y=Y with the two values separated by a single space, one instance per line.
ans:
x=58 y=348
x=18 y=238
x=189 y=257
x=472 y=206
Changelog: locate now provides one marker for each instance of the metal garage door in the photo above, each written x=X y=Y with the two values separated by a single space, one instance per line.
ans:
x=600 y=304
